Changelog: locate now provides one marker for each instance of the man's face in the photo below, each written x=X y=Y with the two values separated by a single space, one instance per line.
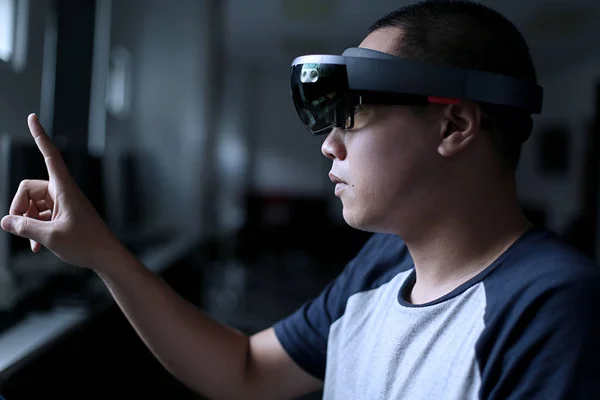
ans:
x=386 y=161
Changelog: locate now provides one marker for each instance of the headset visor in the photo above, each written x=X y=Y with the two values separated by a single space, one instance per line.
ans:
x=321 y=95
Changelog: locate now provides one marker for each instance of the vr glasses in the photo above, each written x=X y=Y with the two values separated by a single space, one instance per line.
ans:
x=327 y=88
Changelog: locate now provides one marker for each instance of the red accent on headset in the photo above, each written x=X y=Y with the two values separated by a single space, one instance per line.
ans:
x=442 y=100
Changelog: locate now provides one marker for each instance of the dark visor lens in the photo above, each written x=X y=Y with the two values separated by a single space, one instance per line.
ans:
x=320 y=93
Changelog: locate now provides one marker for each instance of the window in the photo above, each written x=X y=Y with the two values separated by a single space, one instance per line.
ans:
x=8 y=19
x=14 y=24
x=118 y=89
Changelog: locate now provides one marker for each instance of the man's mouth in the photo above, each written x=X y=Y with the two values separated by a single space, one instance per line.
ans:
x=340 y=185
x=334 y=178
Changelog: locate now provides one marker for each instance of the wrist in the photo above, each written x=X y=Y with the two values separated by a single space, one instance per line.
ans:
x=113 y=257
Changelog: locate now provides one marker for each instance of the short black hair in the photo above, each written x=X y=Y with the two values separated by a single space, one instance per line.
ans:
x=468 y=34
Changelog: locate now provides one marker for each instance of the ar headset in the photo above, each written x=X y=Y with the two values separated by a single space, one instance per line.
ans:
x=326 y=89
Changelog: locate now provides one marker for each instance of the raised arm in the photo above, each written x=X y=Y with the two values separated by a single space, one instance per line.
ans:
x=212 y=359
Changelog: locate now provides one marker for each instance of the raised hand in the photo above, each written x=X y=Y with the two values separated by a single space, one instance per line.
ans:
x=55 y=214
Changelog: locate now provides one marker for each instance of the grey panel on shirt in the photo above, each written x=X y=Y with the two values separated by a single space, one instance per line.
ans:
x=381 y=349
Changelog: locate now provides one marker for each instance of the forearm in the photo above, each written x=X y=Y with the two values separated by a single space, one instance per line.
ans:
x=212 y=359
x=207 y=357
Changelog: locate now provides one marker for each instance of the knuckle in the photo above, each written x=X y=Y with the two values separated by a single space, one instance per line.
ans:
x=28 y=184
x=24 y=184
x=21 y=226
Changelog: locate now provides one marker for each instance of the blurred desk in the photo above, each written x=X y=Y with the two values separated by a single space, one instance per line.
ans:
x=39 y=330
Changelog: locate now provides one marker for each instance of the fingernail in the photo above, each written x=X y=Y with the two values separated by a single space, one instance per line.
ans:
x=7 y=223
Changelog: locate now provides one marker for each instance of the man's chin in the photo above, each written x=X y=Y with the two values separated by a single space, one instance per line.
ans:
x=359 y=221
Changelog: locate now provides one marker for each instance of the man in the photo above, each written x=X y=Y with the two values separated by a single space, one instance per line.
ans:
x=456 y=296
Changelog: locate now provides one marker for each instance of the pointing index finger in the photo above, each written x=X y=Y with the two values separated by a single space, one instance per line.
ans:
x=52 y=156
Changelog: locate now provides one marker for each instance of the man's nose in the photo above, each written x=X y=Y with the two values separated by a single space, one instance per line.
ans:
x=333 y=146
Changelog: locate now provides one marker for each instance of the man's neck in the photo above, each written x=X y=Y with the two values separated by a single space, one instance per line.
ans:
x=458 y=247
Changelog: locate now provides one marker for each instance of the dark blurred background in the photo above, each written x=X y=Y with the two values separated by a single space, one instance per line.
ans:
x=176 y=121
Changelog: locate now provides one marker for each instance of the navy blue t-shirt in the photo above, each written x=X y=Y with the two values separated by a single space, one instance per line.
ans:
x=527 y=327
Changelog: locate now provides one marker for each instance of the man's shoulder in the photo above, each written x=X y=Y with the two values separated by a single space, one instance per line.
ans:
x=541 y=321
x=540 y=254
x=538 y=267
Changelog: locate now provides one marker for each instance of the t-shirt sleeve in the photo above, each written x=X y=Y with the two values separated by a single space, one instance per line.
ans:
x=304 y=333
x=555 y=350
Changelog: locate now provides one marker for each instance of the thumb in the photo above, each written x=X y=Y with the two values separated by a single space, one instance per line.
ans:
x=25 y=227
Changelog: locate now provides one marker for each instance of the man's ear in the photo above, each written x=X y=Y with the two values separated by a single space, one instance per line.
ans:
x=460 y=124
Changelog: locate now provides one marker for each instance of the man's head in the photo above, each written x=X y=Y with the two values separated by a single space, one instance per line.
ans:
x=399 y=161
x=468 y=35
